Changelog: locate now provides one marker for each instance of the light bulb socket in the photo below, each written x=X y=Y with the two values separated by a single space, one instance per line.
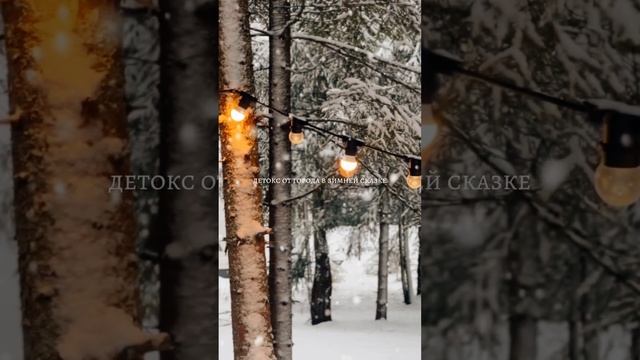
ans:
x=296 y=126
x=432 y=65
x=620 y=140
x=246 y=100
x=351 y=148
x=415 y=167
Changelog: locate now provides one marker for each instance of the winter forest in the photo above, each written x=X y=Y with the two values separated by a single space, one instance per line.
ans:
x=319 y=180
x=200 y=179
x=549 y=271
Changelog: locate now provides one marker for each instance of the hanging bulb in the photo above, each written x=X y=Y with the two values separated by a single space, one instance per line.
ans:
x=617 y=178
x=618 y=187
x=414 y=179
x=296 y=136
x=241 y=112
x=238 y=115
x=429 y=126
x=348 y=164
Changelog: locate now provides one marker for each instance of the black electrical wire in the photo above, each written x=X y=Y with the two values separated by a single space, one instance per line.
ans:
x=440 y=64
x=317 y=129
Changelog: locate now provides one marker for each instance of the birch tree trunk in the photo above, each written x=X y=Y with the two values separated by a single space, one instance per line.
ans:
x=250 y=314
x=77 y=258
x=405 y=264
x=189 y=147
x=280 y=167
x=383 y=260
x=322 y=279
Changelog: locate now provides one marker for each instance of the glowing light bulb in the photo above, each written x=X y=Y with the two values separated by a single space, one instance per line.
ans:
x=414 y=178
x=618 y=187
x=348 y=166
x=296 y=138
x=348 y=163
x=238 y=114
x=429 y=126
x=414 y=182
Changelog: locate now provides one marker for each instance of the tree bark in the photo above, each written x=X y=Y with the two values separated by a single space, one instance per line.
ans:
x=77 y=253
x=635 y=343
x=383 y=260
x=189 y=147
x=405 y=264
x=250 y=314
x=322 y=280
x=523 y=265
x=280 y=240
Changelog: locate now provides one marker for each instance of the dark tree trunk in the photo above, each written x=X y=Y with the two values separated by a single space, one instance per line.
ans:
x=523 y=331
x=280 y=240
x=524 y=266
x=189 y=147
x=322 y=286
x=383 y=259
x=405 y=264
x=635 y=343
x=322 y=281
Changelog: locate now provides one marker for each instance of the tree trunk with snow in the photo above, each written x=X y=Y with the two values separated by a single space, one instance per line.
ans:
x=250 y=314
x=189 y=147
x=77 y=257
x=322 y=279
x=383 y=259
x=280 y=167
x=405 y=263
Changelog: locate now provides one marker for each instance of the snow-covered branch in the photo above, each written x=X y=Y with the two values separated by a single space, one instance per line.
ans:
x=367 y=54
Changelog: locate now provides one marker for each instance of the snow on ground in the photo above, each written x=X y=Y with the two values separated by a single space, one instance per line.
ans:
x=353 y=334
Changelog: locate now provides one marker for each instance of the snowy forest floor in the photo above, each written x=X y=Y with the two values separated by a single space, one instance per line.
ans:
x=353 y=334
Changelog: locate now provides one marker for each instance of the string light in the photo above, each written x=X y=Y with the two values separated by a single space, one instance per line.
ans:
x=296 y=136
x=348 y=165
x=414 y=179
x=242 y=111
x=617 y=177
